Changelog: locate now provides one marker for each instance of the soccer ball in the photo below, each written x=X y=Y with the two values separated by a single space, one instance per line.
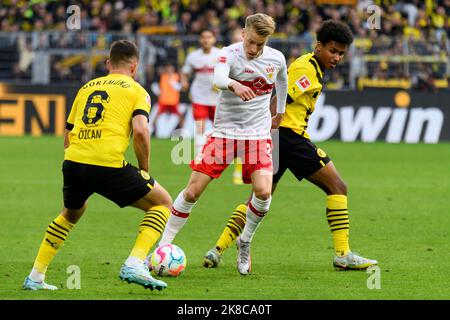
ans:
x=168 y=260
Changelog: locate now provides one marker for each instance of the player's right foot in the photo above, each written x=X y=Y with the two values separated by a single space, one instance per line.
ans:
x=33 y=285
x=352 y=261
x=244 y=260
x=212 y=259
x=141 y=275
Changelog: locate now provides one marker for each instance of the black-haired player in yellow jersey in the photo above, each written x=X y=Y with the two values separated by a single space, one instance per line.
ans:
x=298 y=154
x=105 y=112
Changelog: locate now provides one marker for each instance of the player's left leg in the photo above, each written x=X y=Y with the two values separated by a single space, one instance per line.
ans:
x=328 y=179
x=55 y=236
x=76 y=193
x=257 y=208
x=236 y=222
x=156 y=206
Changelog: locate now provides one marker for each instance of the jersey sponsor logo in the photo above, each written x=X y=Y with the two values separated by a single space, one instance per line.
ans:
x=303 y=83
x=247 y=70
x=222 y=60
x=259 y=82
x=259 y=85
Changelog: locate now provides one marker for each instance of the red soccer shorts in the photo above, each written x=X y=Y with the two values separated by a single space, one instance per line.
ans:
x=168 y=108
x=218 y=153
x=202 y=112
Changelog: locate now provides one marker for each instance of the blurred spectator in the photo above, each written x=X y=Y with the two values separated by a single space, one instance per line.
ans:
x=168 y=92
x=336 y=81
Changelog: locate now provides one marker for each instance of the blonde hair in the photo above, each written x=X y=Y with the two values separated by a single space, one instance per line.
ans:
x=263 y=24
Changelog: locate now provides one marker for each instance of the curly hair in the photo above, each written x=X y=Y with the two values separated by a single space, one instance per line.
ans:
x=332 y=30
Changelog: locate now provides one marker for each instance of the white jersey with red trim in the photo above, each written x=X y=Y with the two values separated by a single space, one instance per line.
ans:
x=248 y=120
x=202 y=66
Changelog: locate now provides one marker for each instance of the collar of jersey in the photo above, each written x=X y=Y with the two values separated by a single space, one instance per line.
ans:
x=313 y=56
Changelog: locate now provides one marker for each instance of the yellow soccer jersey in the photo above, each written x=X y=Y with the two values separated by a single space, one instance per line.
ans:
x=304 y=86
x=100 y=120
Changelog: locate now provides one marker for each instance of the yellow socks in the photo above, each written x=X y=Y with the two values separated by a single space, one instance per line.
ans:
x=55 y=236
x=337 y=216
x=237 y=172
x=233 y=229
x=150 y=230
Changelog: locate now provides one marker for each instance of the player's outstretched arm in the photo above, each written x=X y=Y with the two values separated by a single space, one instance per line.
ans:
x=141 y=141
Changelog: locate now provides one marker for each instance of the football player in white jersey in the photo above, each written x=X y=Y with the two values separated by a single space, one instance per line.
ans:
x=246 y=73
x=200 y=63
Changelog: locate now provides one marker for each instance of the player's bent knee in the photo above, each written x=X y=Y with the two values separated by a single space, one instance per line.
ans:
x=342 y=187
x=338 y=187
x=191 y=194
x=166 y=201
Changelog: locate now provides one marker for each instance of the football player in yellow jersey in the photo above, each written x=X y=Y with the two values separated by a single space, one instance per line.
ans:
x=298 y=154
x=105 y=112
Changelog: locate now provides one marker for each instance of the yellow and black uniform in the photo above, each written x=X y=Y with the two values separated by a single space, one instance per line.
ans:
x=100 y=126
x=296 y=151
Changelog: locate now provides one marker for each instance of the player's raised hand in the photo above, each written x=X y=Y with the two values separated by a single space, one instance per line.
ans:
x=243 y=92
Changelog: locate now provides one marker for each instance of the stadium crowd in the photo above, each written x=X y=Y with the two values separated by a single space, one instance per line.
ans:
x=422 y=25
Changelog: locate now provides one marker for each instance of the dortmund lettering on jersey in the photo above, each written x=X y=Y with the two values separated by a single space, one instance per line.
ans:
x=304 y=86
x=100 y=120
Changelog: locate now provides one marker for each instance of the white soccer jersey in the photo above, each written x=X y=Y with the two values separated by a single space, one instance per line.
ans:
x=248 y=120
x=202 y=66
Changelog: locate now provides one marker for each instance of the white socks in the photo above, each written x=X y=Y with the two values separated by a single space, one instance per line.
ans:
x=36 y=276
x=256 y=210
x=178 y=216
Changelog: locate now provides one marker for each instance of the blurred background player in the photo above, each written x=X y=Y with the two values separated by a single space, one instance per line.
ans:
x=241 y=127
x=94 y=163
x=298 y=154
x=168 y=91
x=203 y=94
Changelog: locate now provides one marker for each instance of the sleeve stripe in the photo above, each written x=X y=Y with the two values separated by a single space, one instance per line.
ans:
x=69 y=126
x=140 y=111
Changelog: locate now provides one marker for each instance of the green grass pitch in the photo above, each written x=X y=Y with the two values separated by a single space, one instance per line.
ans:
x=399 y=214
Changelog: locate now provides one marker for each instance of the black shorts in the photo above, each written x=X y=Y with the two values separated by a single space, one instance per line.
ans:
x=297 y=154
x=123 y=186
